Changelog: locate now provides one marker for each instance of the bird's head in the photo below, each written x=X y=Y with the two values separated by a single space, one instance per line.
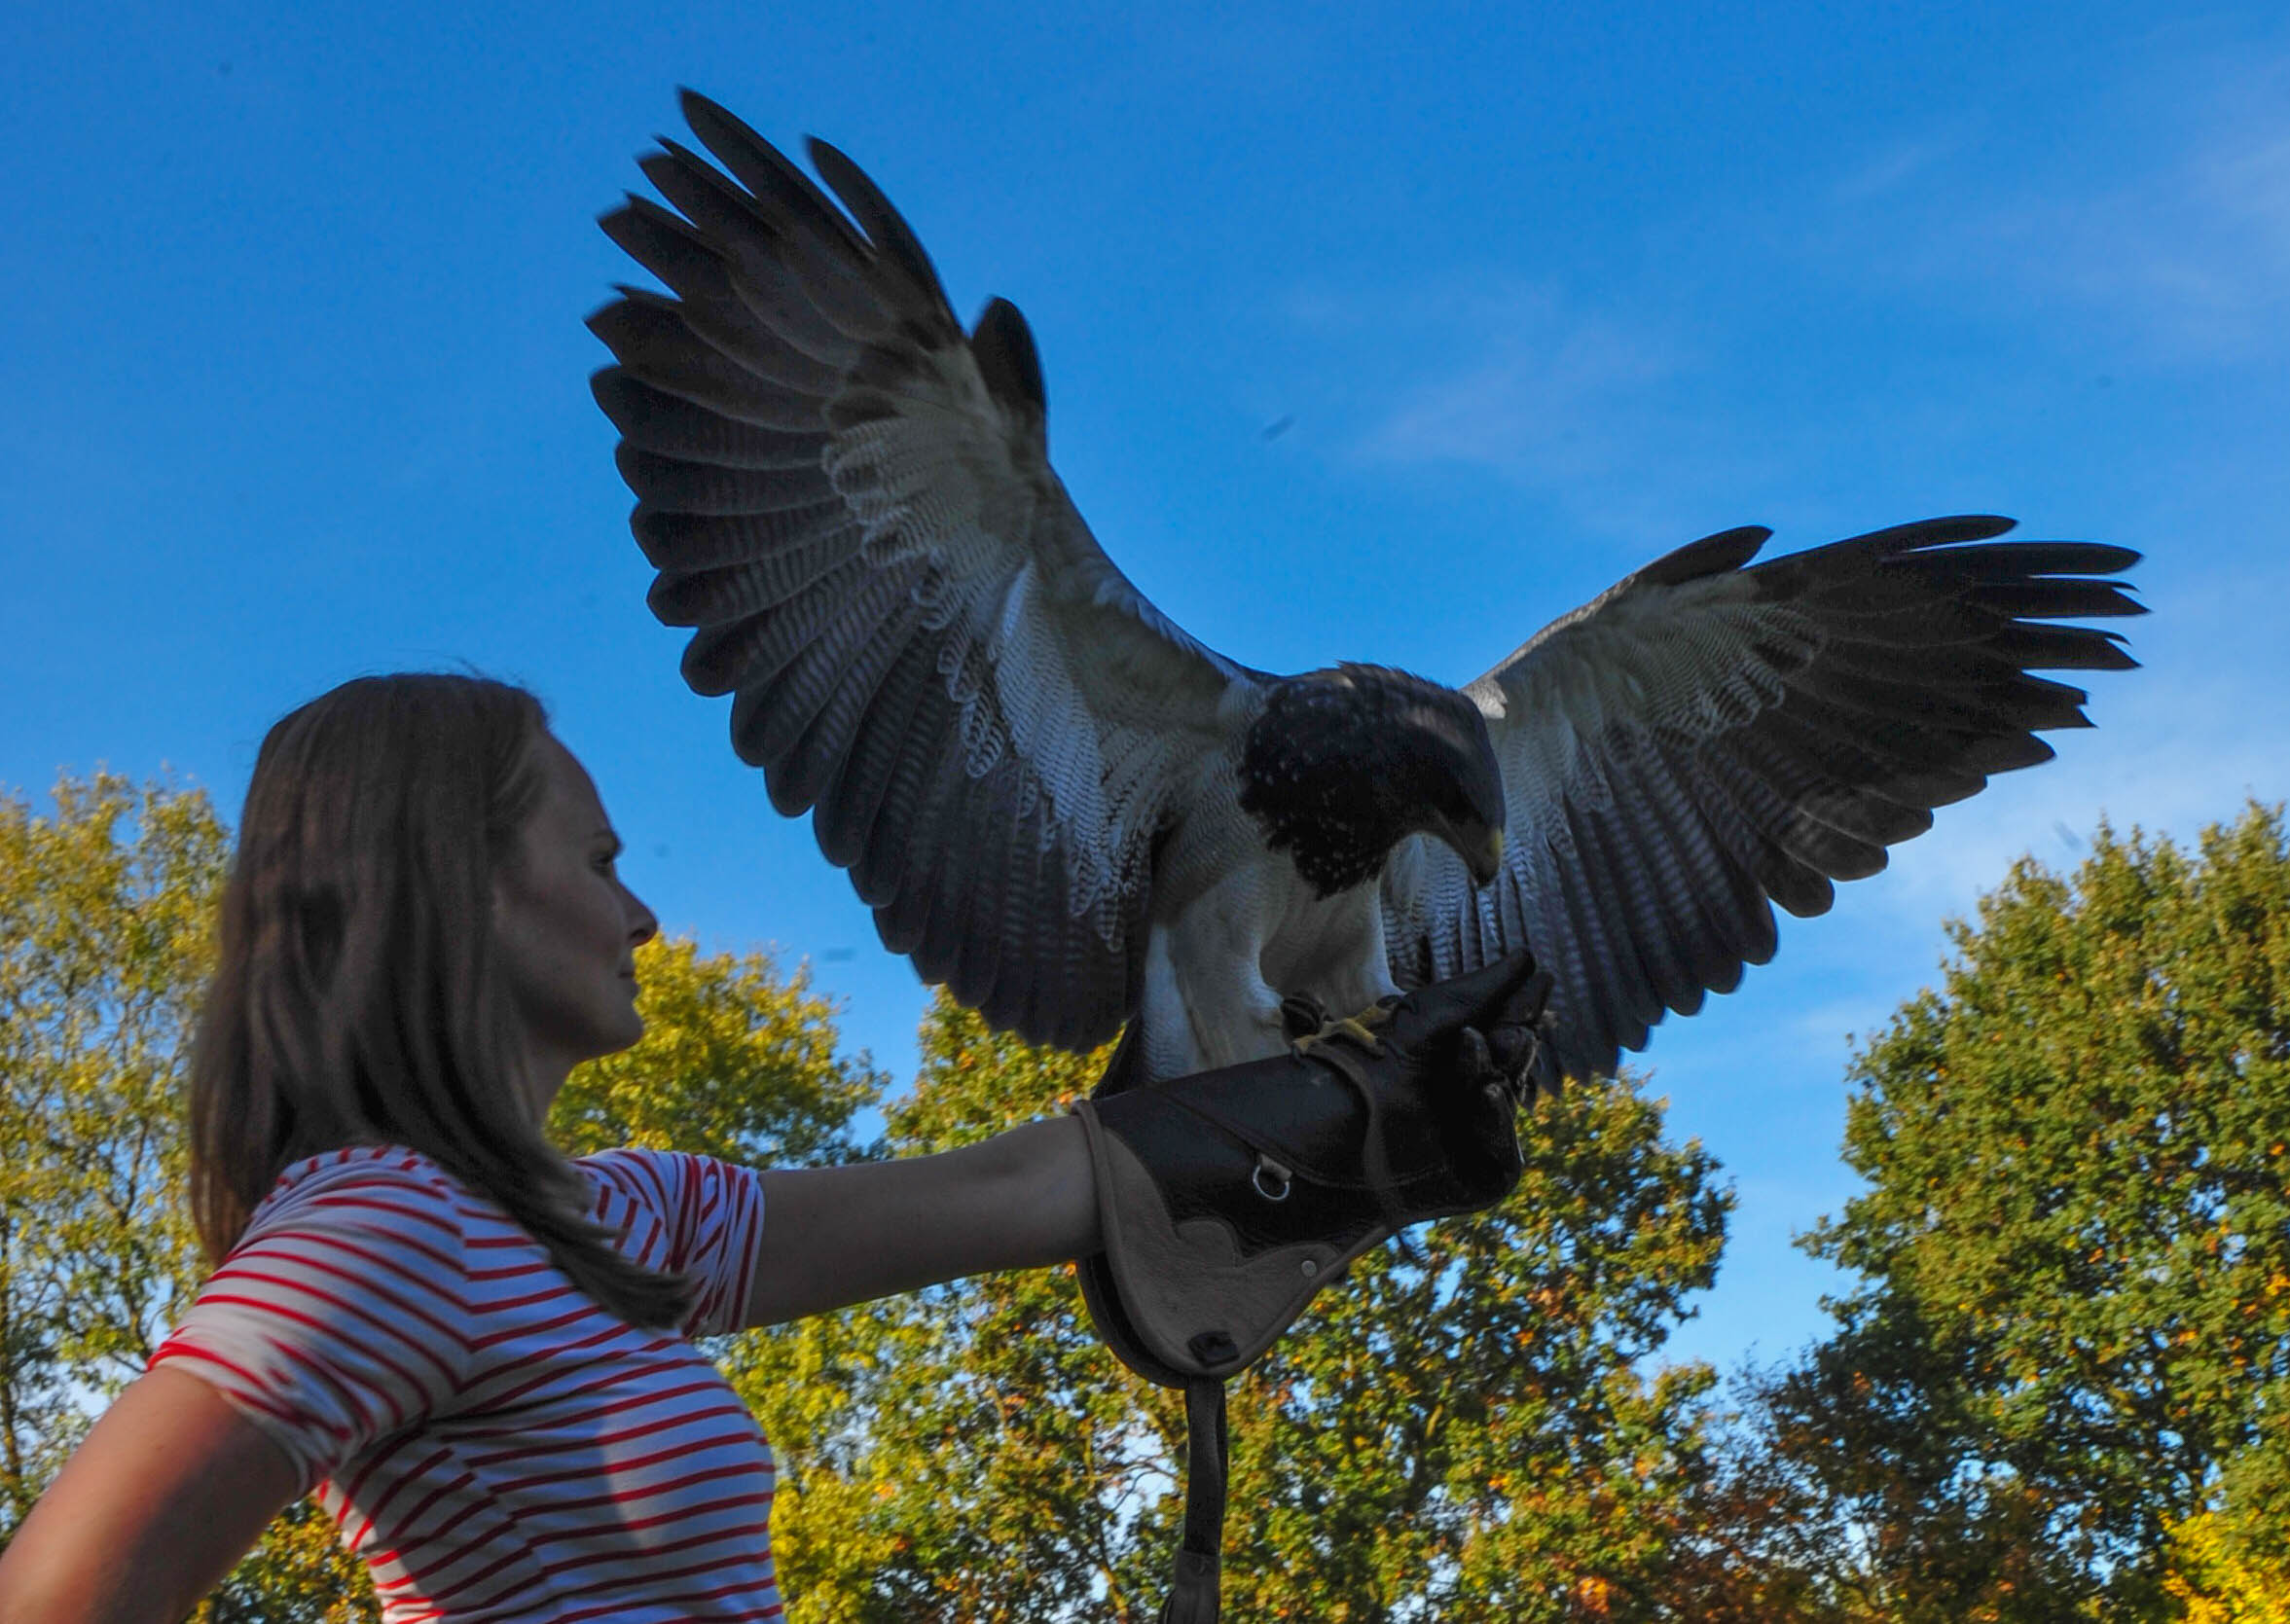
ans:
x=1445 y=757
x=1344 y=764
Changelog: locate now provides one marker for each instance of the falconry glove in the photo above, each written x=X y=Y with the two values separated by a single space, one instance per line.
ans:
x=1227 y=1198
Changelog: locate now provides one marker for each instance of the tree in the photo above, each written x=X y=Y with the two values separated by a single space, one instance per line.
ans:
x=1458 y=1431
x=736 y=1061
x=1462 y=1430
x=1757 y=1542
x=2074 y=1334
x=105 y=910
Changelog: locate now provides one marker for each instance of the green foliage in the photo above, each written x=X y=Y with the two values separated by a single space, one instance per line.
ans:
x=2075 y=1330
x=299 y=1575
x=105 y=910
x=734 y=1063
x=1461 y=1431
x=1458 y=1431
x=2230 y=1568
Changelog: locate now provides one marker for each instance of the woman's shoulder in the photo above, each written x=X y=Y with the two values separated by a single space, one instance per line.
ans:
x=393 y=1187
x=381 y=1181
x=687 y=1213
x=667 y=1181
x=661 y=1183
x=627 y=1162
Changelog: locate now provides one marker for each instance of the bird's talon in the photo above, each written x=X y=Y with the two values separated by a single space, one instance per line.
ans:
x=1359 y=1028
x=1300 y=1016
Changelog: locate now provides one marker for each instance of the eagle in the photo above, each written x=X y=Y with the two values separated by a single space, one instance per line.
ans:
x=1078 y=818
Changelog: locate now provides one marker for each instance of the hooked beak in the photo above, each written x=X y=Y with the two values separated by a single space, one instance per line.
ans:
x=1480 y=846
x=1486 y=863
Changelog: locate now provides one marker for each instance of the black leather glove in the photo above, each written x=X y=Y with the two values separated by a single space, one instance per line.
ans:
x=1229 y=1197
x=1499 y=1064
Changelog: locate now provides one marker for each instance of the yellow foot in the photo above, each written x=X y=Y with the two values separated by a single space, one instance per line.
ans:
x=1359 y=1028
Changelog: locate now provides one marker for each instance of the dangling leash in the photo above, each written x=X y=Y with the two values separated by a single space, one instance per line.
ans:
x=1194 y=1593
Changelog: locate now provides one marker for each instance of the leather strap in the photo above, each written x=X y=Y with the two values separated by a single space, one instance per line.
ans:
x=1194 y=1594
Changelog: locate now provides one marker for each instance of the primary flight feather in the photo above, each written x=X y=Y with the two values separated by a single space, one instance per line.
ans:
x=1075 y=815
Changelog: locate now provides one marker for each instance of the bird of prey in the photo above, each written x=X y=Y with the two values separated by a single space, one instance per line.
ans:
x=1075 y=815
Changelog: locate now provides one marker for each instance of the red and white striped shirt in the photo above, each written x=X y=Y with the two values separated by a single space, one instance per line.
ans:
x=495 y=1445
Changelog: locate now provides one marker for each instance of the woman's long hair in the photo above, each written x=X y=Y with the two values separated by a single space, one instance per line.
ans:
x=358 y=1001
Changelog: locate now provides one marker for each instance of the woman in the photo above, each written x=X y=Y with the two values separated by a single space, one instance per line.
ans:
x=473 y=1350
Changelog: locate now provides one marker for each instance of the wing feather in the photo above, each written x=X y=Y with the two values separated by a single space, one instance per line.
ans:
x=926 y=753
x=643 y=324
x=719 y=303
x=806 y=283
x=715 y=490
x=819 y=692
x=996 y=892
x=847 y=499
x=650 y=420
x=1692 y=877
x=825 y=746
x=1713 y=736
x=885 y=733
x=913 y=843
x=691 y=543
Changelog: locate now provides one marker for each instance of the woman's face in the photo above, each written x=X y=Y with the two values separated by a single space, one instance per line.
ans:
x=566 y=929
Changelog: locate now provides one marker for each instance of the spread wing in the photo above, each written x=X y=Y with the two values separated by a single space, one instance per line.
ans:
x=849 y=499
x=1704 y=740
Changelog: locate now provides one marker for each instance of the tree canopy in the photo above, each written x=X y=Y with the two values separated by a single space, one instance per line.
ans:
x=2073 y=1341
x=104 y=948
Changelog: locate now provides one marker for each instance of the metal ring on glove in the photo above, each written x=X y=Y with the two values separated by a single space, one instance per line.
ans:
x=1265 y=1164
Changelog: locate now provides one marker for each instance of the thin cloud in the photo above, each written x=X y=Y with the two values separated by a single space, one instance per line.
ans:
x=1545 y=396
x=2198 y=256
x=1895 y=166
x=1537 y=388
x=2186 y=253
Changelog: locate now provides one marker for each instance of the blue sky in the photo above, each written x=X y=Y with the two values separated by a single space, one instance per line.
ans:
x=293 y=387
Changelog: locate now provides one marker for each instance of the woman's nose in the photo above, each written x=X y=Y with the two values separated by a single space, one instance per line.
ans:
x=643 y=925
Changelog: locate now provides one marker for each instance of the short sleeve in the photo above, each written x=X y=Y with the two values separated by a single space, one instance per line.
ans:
x=342 y=1314
x=699 y=1216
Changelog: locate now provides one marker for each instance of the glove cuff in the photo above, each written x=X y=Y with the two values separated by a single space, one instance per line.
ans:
x=1227 y=1200
x=1198 y=1282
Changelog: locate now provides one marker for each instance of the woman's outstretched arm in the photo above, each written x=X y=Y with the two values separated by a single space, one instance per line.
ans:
x=172 y=1487
x=837 y=1236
